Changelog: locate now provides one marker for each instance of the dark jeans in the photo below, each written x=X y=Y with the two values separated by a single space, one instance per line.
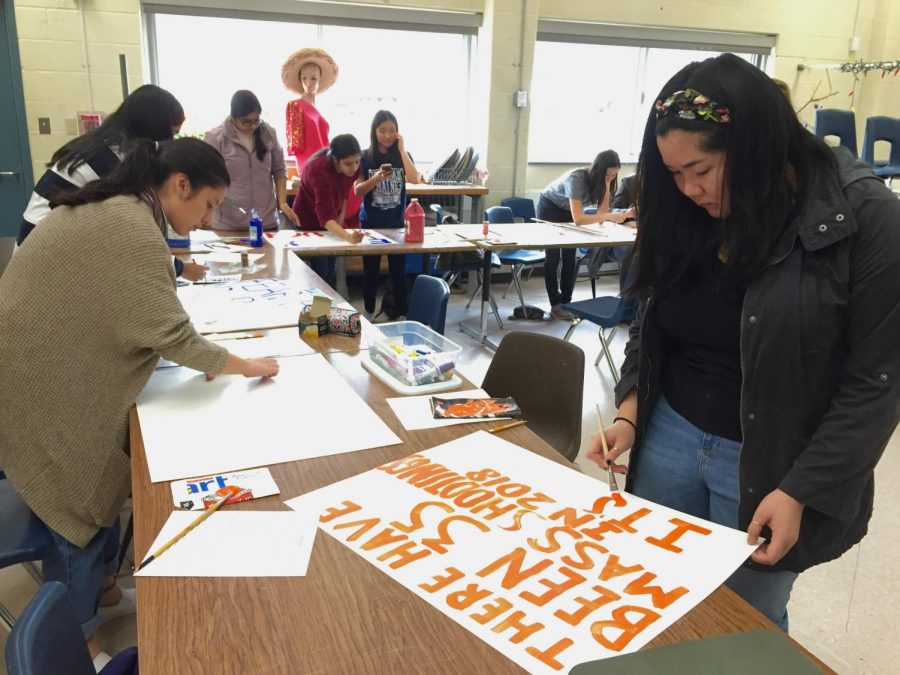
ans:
x=559 y=284
x=397 y=266
x=323 y=266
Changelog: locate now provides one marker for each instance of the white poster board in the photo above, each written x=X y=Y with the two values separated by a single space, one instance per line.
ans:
x=245 y=305
x=541 y=562
x=192 y=427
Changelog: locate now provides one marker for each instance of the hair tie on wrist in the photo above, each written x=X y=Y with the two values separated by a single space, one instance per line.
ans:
x=625 y=419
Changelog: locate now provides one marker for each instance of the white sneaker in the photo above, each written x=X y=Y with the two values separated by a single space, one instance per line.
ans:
x=101 y=660
x=370 y=316
x=558 y=312
x=127 y=605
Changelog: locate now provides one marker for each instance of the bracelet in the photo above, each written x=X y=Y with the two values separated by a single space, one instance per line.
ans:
x=625 y=419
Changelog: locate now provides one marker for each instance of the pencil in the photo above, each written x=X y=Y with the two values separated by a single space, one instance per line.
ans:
x=610 y=475
x=506 y=426
x=203 y=516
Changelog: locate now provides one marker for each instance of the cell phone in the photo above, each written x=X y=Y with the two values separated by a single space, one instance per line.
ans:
x=387 y=168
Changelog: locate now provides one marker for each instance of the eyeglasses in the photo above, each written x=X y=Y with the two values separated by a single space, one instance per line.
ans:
x=245 y=122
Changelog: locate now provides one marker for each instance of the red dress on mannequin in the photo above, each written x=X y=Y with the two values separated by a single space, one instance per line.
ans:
x=307 y=133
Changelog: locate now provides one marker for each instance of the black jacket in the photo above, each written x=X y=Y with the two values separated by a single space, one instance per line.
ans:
x=820 y=355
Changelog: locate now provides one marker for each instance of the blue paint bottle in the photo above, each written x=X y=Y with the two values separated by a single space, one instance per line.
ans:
x=256 y=229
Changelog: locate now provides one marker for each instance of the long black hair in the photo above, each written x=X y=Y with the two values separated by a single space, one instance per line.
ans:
x=341 y=146
x=147 y=166
x=243 y=103
x=608 y=159
x=148 y=112
x=768 y=157
x=376 y=157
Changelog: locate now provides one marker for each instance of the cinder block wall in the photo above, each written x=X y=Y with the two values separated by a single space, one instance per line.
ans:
x=70 y=48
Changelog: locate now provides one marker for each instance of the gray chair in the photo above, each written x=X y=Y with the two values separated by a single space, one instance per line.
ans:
x=545 y=375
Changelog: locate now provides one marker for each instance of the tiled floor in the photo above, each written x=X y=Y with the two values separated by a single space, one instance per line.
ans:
x=844 y=611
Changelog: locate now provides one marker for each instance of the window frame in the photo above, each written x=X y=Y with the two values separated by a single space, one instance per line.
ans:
x=759 y=46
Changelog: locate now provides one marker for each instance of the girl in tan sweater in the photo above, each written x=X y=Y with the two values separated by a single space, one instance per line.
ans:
x=87 y=307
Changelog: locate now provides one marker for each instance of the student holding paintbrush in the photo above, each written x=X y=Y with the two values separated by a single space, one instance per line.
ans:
x=87 y=308
x=762 y=378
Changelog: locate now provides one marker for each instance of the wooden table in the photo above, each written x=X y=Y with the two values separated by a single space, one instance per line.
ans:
x=345 y=616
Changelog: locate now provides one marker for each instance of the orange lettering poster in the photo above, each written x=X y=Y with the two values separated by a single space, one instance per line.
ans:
x=541 y=562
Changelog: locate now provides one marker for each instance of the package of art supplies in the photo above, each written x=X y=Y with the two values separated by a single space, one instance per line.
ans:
x=473 y=408
x=309 y=325
x=197 y=494
x=344 y=321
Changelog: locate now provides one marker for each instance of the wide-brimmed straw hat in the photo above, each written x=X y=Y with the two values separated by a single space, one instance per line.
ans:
x=290 y=71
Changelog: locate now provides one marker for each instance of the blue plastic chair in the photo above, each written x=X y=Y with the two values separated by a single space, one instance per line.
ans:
x=47 y=640
x=521 y=207
x=881 y=128
x=47 y=637
x=428 y=302
x=840 y=123
x=23 y=538
x=608 y=312
x=518 y=259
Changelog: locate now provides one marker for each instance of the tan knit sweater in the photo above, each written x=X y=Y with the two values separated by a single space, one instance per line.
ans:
x=87 y=306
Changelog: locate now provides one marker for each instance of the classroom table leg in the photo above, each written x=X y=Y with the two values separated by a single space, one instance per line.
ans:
x=481 y=335
x=477 y=214
x=340 y=274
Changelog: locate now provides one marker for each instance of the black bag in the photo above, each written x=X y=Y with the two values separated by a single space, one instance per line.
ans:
x=529 y=313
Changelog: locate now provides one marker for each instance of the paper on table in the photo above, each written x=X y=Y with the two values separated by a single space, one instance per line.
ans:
x=414 y=412
x=192 y=427
x=275 y=342
x=306 y=239
x=235 y=544
x=538 y=560
x=225 y=257
x=248 y=305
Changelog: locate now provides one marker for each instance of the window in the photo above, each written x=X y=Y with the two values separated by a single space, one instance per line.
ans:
x=203 y=60
x=594 y=92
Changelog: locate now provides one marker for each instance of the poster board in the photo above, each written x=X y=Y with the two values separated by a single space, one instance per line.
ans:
x=538 y=560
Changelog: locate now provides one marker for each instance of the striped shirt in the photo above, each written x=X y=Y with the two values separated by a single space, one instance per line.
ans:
x=57 y=181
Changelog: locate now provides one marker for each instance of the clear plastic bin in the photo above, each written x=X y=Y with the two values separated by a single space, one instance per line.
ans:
x=412 y=353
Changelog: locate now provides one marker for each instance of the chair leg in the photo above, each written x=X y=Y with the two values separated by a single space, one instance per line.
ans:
x=510 y=284
x=33 y=570
x=577 y=320
x=594 y=287
x=517 y=273
x=7 y=617
x=608 y=354
x=472 y=297
x=126 y=540
x=495 y=310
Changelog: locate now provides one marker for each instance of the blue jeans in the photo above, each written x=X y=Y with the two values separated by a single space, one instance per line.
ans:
x=324 y=266
x=689 y=470
x=83 y=572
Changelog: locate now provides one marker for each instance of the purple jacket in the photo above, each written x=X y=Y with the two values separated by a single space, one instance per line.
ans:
x=252 y=179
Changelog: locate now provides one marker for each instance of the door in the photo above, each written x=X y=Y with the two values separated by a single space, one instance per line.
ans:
x=15 y=160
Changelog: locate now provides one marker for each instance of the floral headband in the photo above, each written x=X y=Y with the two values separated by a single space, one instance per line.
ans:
x=689 y=104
